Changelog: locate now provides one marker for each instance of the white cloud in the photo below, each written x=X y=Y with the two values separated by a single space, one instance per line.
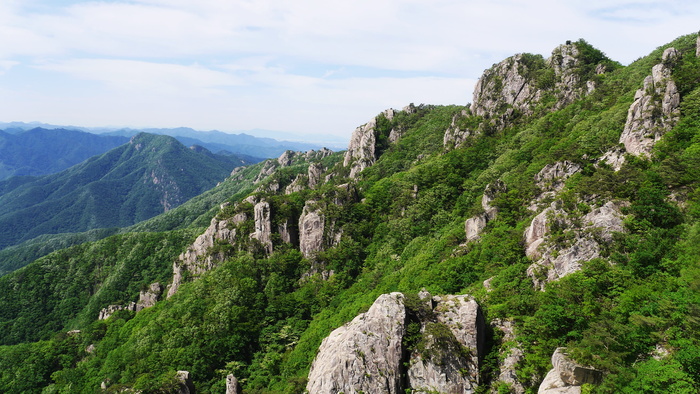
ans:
x=135 y=76
x=304 y=65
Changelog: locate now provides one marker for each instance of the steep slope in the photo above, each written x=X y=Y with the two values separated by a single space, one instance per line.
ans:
x=131 y=183
x=580 y=255
x=40 y=151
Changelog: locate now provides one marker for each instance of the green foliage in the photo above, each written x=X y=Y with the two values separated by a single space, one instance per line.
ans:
x=263 y=317
x=128 y=184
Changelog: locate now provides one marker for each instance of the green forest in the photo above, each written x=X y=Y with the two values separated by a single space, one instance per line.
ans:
x=632 y=312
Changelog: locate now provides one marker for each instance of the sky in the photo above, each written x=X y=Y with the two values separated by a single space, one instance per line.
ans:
x=315 y=69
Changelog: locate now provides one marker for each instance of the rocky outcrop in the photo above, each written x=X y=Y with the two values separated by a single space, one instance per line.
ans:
x=458 y=360
x=510 y=355
x=287 y=232
x=285 y=158
x=369 y=354
x=474 y=225
x=195 y=259
x=361 y=151
x=365 y=354
x=567 y=376
x=311 y=230
x=577 y=243
x=455 y=135
x=655 y=109
x=107 y=312
x=615 y=158
x=263 y=225
x=149 y=297
x=297 y=185
x=566 y=63
x=314 y=174
x=232 y=386
x=552 y=176
x=268 y=168
x=185 y=385
x=504 y=89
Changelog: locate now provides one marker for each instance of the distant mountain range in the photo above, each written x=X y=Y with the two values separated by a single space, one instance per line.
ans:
x=148 y=175
x=257 y=142
x=42 y=151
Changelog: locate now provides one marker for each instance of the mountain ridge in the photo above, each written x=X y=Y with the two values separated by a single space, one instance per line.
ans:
x=579 y=252
x=128 y=184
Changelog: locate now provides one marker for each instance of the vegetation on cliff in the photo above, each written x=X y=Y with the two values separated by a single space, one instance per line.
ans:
x=399 y=225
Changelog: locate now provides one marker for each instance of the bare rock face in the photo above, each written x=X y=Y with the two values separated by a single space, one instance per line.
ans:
x=191 y=260
x=505 y=84
x=368 y=354
x=285 y=158
x=185 y=383
x=655 y=109
x=473 y=226
x=263 y=225
x=268 y=168
x=287 y=232
x=311 y=229
x=365 y=354
x=232 y=386
x=314 y=174
x=149 y=297
x=509 y=357
x=565 y=61
x=361 y=150
x=296 y=185
x=615 y=158
x=105 y=313
x=554 y=261
x=455 y=136
x=567 y=376
x=553 y=176
x=440 y=368
x=462 y=315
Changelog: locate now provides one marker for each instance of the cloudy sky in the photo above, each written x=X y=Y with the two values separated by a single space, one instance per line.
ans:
x=303 y=66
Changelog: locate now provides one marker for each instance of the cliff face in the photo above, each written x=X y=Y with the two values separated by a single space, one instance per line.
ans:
x=374 y=354
x=513 y=205
x=515 y=87
x=655 y=109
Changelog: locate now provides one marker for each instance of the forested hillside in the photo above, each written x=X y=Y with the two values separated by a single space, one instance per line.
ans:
x=133 y=182
x=559 y=207
x=40 y=151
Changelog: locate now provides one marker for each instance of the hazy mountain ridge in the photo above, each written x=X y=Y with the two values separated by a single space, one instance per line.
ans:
x=240 y=143
x=149 y=175
x=41 y=151
x=579 y=253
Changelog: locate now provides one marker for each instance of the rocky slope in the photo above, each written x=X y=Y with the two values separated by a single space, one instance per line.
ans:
x=511 y=245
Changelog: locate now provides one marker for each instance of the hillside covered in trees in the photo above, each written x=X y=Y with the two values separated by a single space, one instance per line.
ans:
x=545 y=237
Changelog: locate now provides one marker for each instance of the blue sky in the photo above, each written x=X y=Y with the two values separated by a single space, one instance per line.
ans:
x=304 y=66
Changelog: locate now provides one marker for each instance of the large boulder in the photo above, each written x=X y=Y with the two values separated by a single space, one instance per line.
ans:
x=567 y=376
x=372 y=354
x=364 y=355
